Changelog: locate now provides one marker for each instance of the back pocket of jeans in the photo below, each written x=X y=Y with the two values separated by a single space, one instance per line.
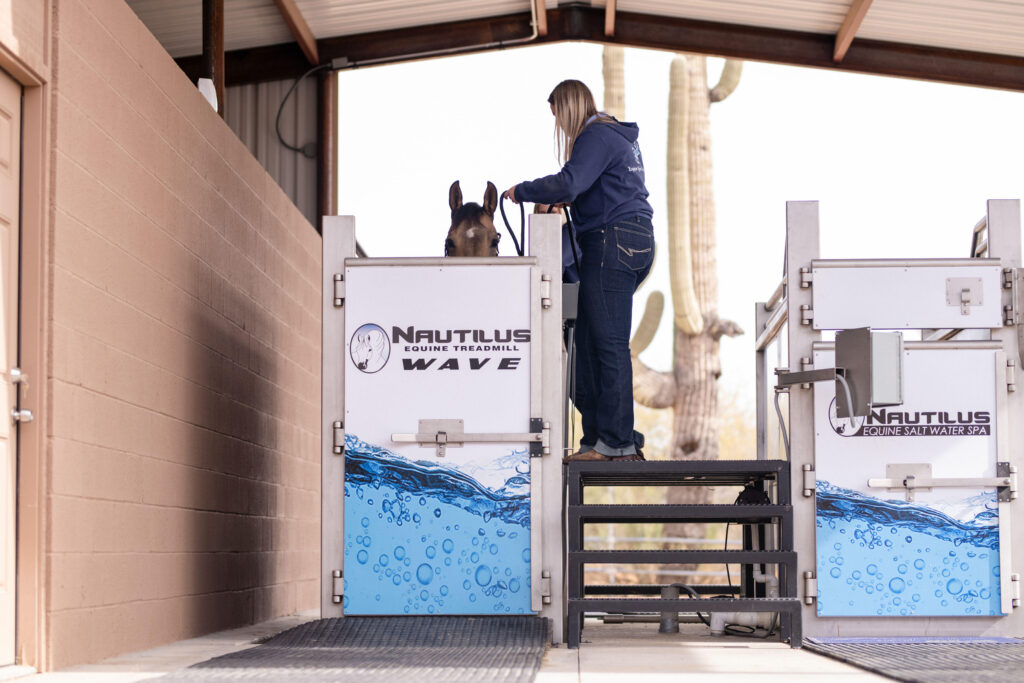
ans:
x=634 y=249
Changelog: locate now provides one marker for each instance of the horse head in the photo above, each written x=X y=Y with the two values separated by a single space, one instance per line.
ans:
x=369 y=349
x=472 y=232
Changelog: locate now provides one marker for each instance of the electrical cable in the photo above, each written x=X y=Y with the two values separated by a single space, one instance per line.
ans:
x=304 y=151
x=849 y=399
x=696 y=596
x=782 y=424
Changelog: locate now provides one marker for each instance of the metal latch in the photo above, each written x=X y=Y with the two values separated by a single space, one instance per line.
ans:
x=964 y=292
x=339 y=290
x=338 y=590
x=22 y=415
x=339 y=437
x=451 y=433
x=810 y=588
x=545 y=587
x=810 y=479
x=545 y=291
x=918 y=477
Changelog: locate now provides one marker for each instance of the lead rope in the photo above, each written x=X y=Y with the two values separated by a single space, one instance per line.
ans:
x=521 y=242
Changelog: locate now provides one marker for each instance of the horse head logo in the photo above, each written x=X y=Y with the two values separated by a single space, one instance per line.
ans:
x=370 y=348
x=843 y=426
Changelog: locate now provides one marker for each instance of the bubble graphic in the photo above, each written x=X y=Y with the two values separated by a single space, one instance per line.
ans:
x=424 y=595
x=431 y=552
x=919 y=563
x=526 y=555
x=474 y=557
x=836 y=572
x=448 y=546
x=466 y=585
x=383 y=560
x=513 y=585
x=362 y=556
x=444 y=590
x=902 y=569
x=365 y=522
x=954 y=586
x=897 y=585
x=493 y=549
x=872 y=569
x=399 y=552
x=437 y=512
x=483 y=575
x=396 y=579
x=424 y=573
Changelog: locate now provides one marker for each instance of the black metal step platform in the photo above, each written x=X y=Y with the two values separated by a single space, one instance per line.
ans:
x=777 y=516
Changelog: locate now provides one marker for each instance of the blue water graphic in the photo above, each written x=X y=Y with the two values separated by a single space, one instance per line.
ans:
x=894 y=558
x=428 y=538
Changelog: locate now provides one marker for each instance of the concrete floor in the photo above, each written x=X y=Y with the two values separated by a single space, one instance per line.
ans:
x=608 y=653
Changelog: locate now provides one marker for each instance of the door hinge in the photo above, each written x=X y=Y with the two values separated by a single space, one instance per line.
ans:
x=810 y=588
x=806 y=278
x=1015 y=590
x=545 y=587
x=339 y=437
x=1007 y=493
x=810 y=479
x=545 y=291
x=1011 y=311
x=1011 y=375
x=339 y=290
x=338 y=590
x=806 y=314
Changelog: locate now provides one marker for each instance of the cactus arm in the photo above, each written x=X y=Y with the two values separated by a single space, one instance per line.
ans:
x=613 y=69
x=684 y=296
x=728 y=81
x=651 y=388
x=719 y=328
x=648 y=323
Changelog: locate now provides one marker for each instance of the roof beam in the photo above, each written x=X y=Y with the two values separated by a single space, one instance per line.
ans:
x=299 y=28
x=609 y=18
x=858 y=10
x=583 y=22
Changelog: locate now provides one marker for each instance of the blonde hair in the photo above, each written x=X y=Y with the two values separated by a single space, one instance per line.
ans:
x=573 y=105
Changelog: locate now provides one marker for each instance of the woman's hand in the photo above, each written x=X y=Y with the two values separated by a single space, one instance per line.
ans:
x=510 y=193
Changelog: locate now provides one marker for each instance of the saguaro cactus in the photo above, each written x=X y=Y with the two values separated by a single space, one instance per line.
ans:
x=613 y=69
x=690 y=388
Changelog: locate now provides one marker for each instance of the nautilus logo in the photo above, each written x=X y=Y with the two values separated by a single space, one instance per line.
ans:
x=369 y=348
x=844 y=426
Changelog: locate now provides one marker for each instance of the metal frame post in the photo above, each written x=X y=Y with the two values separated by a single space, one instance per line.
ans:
x=802 y=247
x=545 y=243
x=339 y=243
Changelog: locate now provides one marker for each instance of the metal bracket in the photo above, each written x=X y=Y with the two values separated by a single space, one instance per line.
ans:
x=918 y=477
x=339 y=290
x=806 y=314
x=338 y=590
x=545 y=291
x=444 y=434
x=810 y=479
x=810 y=587
x=806 y=277
x=964 y=292
x=545 y=587
x=339 y=437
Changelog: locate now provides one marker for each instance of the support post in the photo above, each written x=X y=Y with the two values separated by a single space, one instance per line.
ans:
x=327 y=156
x=213 y=48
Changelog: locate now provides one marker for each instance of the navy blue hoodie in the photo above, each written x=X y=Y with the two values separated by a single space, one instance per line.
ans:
x=604 y=178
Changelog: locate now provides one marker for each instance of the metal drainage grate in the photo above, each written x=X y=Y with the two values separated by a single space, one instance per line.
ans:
x=424 y=649
x=931 y=660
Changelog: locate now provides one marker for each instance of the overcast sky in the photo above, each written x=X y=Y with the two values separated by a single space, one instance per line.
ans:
x=902 y=168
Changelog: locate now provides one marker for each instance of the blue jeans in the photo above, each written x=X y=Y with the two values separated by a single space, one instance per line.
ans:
x=615 y=260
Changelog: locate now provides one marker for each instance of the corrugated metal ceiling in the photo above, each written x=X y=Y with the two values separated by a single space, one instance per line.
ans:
x=991 y=26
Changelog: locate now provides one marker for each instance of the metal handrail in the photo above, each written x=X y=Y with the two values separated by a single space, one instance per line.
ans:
x=776 y=298
x=979 y=244
x=772 y=327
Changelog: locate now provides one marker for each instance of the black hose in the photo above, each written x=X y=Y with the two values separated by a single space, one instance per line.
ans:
x=280 y=110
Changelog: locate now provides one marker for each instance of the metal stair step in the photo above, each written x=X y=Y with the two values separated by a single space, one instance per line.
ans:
x=676 y=513
x=683 y=557
x=630 y=605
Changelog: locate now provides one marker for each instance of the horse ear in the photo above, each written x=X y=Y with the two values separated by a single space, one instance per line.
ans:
x=455 y=196
x=490 y=199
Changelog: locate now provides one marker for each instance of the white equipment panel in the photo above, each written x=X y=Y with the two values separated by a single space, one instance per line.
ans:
x=884 y=549
x=896 y=295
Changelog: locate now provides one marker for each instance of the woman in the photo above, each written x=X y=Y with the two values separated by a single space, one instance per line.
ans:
x=603 y=178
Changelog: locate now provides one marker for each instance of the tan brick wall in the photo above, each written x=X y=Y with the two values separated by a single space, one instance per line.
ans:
x=184 y=370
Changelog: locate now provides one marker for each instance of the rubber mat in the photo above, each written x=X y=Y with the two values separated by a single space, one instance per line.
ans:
x=931 y=660
x=439 y=649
